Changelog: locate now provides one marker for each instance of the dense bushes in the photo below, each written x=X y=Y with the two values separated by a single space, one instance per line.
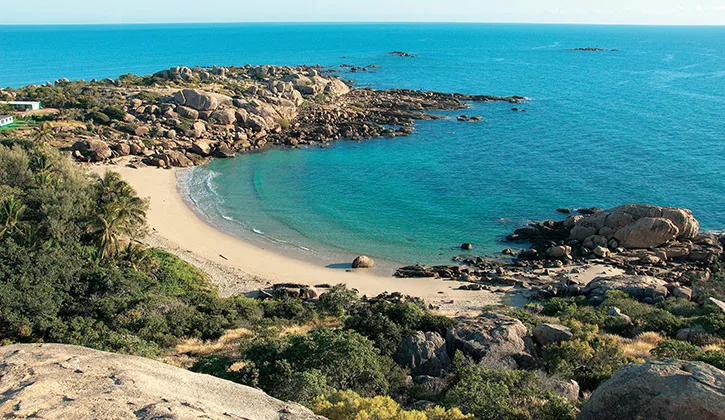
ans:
x=301 y=367
x=673 y=349
x=388 y=320
x=348 y=405
x=66 y=277
x=589 y=358
x=504 y=394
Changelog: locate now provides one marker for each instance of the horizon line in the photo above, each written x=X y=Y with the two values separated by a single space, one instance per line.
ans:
x=371 y=22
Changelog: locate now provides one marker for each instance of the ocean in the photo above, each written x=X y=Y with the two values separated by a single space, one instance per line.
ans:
x=644 y=124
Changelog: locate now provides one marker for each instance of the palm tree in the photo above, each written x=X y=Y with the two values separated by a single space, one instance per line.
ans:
x=10 y=212
x=138 y=257
x=43 y=133
x=120 y=212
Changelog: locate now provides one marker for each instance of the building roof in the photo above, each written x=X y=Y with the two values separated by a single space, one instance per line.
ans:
x=2 y=117
x=19 y=102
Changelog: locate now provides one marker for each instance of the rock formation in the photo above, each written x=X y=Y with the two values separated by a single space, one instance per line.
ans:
x=493 y=336
x=669 y=390
x=54 y=381
x=424 y=353
x=363 y=261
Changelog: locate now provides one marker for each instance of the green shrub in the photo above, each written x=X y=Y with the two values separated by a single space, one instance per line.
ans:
x=345 y=359
x=713 y=322
x=337 y=300
x=129 y=128
x=348 y=405
x=435 y=323
x=216 y=366
x=64 y=279
x=715 y=357
x=560 y=307
x=682 y=350
x=114 y=113
x=504 y=394
x=589 y=358
x=289 y=308
x=98 y=117
x=675 y=349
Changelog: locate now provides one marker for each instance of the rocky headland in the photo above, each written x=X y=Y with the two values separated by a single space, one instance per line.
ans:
x=183 y=116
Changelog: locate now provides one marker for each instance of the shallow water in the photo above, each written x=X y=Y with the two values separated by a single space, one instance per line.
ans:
x=644 y=124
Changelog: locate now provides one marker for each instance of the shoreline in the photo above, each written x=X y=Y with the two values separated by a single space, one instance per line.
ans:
x=331 y=259
x=237 y=267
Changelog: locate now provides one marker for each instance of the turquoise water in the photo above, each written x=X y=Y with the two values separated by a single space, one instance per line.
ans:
x=645 y=124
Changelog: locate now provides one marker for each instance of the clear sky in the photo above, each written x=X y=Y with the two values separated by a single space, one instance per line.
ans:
x=684 y=12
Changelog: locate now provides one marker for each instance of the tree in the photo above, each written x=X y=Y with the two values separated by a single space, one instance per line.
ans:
x=120 y=212
x=11 y=210
x=338 y=359
x=43 y=133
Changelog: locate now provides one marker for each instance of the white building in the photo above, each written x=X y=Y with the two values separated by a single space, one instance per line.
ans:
x=5 y=120
x=22 y=105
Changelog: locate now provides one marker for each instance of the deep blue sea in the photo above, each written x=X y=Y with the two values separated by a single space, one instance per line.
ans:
x=645 y=124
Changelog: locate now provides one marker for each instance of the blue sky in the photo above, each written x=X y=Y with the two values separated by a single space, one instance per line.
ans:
x=685 y=12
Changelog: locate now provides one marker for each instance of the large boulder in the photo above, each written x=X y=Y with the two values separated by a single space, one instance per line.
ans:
x=639 y=287
x=54 y=381
x=495 y=337
x=93 y=150
x=363 y=261
x=546 y=334
x=175 y=158
x=201 y=147
x=201 y=100
x=638 y=225
x=424 y=353
x=225 y=116
x=188 y=113
x=669 y=390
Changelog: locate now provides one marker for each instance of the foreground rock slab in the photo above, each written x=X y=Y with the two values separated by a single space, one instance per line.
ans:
x=54 y=381
x=660 y=390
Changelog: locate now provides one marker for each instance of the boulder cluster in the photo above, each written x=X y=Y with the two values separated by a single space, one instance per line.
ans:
x=496 y=340
x=187 y=115
x=659 y=252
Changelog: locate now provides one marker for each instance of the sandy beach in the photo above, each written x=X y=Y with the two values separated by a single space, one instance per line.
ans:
x=239 y=267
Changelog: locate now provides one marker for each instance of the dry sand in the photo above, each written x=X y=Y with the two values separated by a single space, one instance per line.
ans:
x=237 y=267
